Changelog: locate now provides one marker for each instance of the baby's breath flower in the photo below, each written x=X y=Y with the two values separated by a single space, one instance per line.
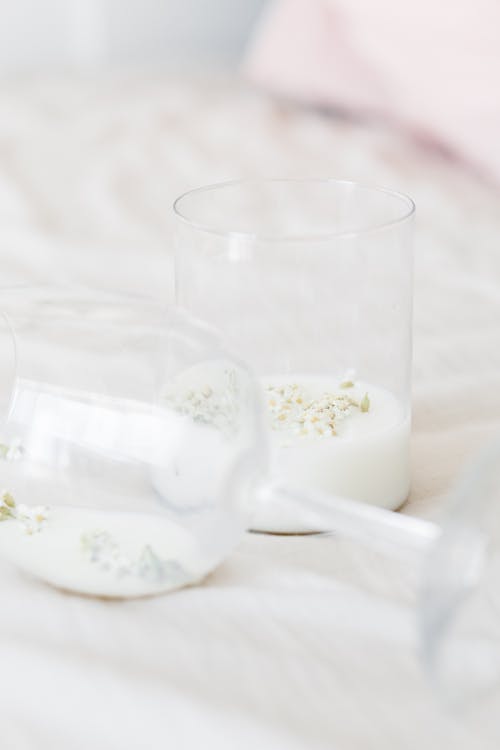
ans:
x=103 y=551
x=31 y=518
x=214 y=407
x=293 y=412
x=365 y=403
x=7 y=504
x=11 y=451
x=8 y=500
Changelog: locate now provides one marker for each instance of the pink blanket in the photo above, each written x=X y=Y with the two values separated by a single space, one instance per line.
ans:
x=433 y=67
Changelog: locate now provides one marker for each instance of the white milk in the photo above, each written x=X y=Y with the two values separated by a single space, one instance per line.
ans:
x=124 y=554
x=100 y=553
x=366 y=460
x=186 y=449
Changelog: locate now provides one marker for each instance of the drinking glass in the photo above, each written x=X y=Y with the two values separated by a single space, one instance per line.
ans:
x=134 y=455
x=310 y=283
x=110 y=487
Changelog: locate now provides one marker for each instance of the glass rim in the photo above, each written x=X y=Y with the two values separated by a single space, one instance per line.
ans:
x=309 y=236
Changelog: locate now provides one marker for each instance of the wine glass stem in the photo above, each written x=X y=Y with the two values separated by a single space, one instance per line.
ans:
x=394 y=534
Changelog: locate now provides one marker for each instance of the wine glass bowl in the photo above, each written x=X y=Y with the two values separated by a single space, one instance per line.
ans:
x=122 y=477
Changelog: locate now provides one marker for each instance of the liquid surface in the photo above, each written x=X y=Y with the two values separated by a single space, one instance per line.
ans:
x=318 y=408
x=364 y=457
x=99 y=553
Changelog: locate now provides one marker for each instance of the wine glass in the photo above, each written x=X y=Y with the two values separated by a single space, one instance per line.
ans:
x=133 y=453
x=119 y=481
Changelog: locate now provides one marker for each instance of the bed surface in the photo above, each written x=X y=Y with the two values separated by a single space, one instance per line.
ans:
x=295 y=642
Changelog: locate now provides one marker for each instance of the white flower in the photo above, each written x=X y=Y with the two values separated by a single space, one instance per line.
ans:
x=12 y=451
x=32 y=518
x=103 y=551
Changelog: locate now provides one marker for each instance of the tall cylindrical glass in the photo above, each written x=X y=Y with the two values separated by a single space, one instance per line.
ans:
x=310 y=282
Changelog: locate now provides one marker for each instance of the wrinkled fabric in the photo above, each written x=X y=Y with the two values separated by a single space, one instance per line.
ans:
x=294 y=643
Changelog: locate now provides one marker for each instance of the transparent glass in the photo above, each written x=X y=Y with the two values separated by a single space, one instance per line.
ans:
x=112 y=489
x=134 y=456
x=310 y=282
x=459 y=600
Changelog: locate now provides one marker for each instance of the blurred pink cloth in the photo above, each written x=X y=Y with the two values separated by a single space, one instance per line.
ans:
x=433 y=67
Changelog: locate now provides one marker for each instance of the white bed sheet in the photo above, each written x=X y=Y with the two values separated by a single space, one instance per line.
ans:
x=295 y=642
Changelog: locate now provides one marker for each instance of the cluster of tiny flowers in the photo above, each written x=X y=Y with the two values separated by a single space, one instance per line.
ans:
x=31 y=518
x=292 y=411
x=103 y=551
x=206 y=406
x=12 y=451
